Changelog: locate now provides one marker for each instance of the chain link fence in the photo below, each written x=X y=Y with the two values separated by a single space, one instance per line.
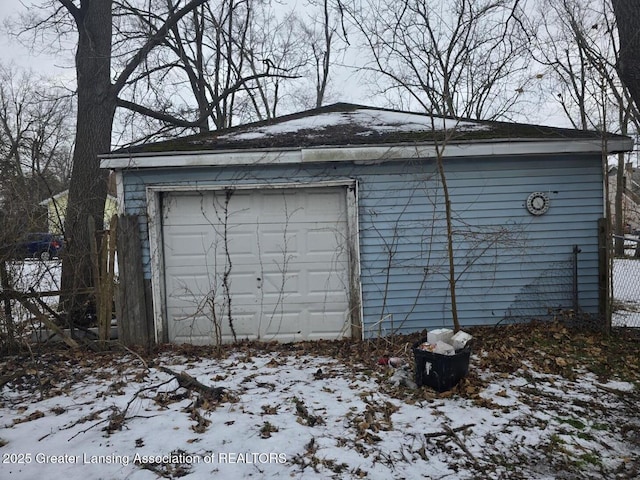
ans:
x=626 y=285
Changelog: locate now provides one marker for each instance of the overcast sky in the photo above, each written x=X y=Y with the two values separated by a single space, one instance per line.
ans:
x=9 y=50
x=61 y=66
x=12 y=52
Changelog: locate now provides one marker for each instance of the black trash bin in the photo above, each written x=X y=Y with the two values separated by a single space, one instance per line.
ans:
x=440 y=372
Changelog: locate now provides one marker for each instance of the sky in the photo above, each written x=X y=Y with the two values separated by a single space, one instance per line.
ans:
x=345 y=83
x=12 y=52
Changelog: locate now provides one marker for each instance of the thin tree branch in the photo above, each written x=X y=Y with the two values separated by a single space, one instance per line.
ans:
x=73 y=10
x=156 y=39
x=168 y=118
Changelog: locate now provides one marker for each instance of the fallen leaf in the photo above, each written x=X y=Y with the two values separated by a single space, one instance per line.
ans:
x=561 y=362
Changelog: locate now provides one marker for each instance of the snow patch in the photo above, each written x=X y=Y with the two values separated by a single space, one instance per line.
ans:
x=374 y=120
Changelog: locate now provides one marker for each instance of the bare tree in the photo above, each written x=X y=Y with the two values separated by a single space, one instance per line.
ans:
x=323 y=33
x=178 y=64
x=568 y=72
x=35 y=149
x=461 y=58
x=275 y=43
x=35 y=152
x=189 y=81
x=90 y=23
x=216 y=67
x=577 y=44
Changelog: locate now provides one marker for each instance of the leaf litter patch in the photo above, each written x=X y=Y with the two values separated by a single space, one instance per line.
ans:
x=540 y=401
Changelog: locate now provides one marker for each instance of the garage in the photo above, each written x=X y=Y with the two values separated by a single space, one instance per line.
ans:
x=267 y=264
x=330 y=223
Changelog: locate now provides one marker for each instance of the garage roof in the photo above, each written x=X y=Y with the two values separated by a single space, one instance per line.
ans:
x=345 y=131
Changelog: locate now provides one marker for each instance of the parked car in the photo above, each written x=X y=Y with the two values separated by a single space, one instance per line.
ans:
x=43 y=246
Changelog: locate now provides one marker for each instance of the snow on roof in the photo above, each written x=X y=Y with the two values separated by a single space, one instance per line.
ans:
x=346 y=125
x=370 y=120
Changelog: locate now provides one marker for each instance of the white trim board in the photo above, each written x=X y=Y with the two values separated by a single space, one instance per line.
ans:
x=361 y=154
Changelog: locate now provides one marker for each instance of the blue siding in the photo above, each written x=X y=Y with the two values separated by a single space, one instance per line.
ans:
x=511 y=265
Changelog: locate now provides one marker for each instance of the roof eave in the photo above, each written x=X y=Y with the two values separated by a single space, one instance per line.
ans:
x=378 y=153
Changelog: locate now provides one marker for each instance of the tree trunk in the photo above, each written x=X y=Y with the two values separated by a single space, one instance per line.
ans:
x=88 y=188
x=450 y=251
x=97 y=101
x=628 y=19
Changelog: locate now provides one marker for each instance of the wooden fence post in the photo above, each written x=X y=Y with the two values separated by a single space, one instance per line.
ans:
x=103 y=274
x=133 y=324
x=107 y=307
x=5 y=286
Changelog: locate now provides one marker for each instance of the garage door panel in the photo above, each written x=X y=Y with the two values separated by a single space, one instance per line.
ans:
x=186 y=241
x=184 y=209
x=186 y=307
x=241 y=298
x=277 y=264
x=196 y=243
x=239 y=244
x=242 y=276
x=324 y=240
x=184 y=285
x=321 y=319
x=202 y=208
x=195 y=294
x=191 y=330
x=200 y=330
x=284 y=325
x=284 y=255
x=271 y=303
x=282 y=204
x=278 y=283
x=320 y=283
x=201 y=262
x=329 y=260
x=244 y=324
x=275 y=243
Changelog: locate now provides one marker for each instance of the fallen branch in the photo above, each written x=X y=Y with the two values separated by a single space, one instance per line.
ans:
x=86 y=418
x=117 y=418
x=50 y=324
x=461 y=444
x=133 y=352
x=187 y=381
x=449 y=431
x=452 y=432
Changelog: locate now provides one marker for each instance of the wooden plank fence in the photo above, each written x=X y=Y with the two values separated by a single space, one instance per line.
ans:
x=130 y=295
x=133 y=300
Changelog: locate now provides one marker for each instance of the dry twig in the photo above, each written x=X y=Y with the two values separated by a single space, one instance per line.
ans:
x=187 y=381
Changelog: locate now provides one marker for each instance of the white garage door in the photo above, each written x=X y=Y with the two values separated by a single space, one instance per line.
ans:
x=266 y=264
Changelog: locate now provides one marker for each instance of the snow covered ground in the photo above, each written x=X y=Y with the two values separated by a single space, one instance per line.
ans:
x=290 y=412
x=324 y=410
